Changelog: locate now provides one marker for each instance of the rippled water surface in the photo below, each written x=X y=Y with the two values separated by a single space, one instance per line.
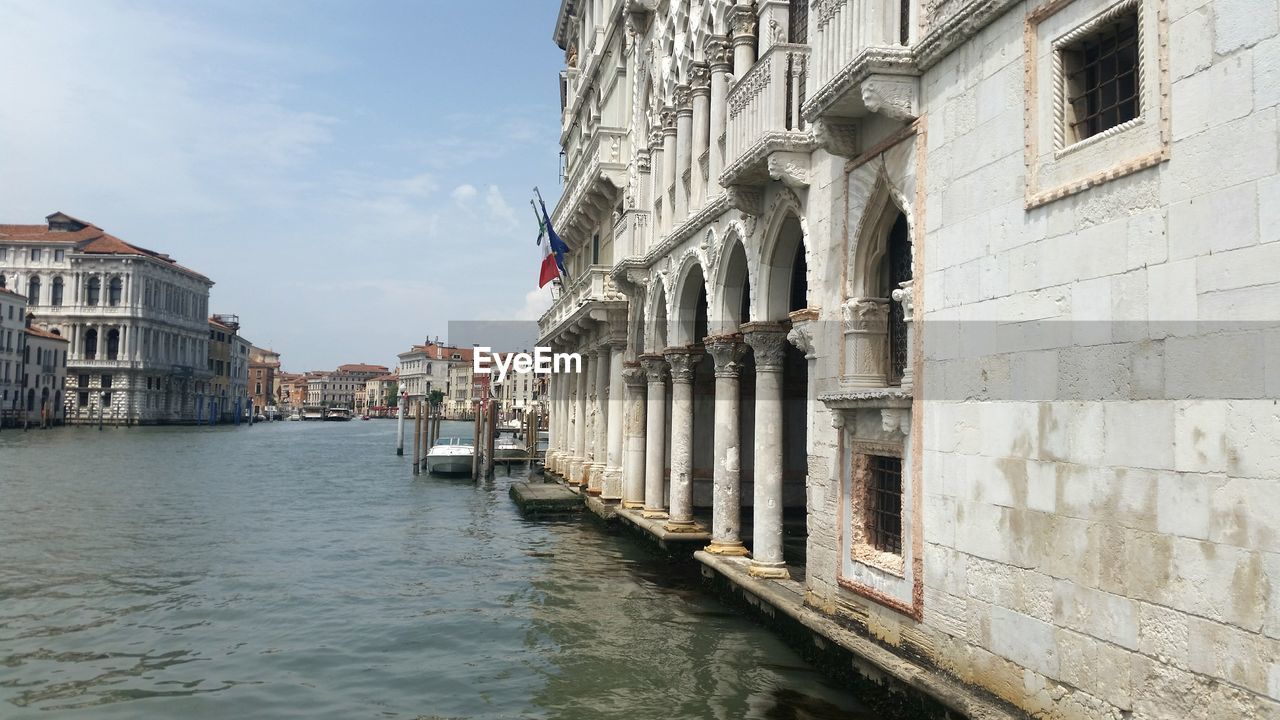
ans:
x=299 y=570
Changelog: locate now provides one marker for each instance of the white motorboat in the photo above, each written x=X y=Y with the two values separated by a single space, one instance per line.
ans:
x=507 y=446
x=313 y=413
x=450 y=456
x=295 y=417
x=338 y=413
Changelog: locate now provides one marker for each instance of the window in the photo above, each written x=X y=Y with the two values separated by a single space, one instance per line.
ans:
x=4 y=255
x=1100 y=77
x=897 y=271
x=884 y=504
x=35 y=254
x=33 y=291
x=798 y=21
x=83 y=399
x=82 y=381
x=106 y=381
x=55 y=299
x=114 y=291
x=59 y=255
x=595 y=249
x=94 y=291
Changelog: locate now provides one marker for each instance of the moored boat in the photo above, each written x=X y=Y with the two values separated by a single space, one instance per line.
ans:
x=450 y=456
x=507 y=446
x=340 y=414
x=313 y=413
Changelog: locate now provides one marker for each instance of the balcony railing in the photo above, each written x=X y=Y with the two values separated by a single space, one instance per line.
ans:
x=848 y=33
x=764 y=106
x=594 y=285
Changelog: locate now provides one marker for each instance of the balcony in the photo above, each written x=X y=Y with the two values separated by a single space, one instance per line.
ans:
x=586 y=299
x=862 y=59
x=765 y=135
x=598 y=172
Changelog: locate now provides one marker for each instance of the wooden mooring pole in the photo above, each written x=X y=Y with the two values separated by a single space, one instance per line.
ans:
x=400 y=424
x=417 y=439
x=489 y=437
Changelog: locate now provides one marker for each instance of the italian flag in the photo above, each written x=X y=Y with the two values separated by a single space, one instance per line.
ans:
x=549 y=270
x=553 y=249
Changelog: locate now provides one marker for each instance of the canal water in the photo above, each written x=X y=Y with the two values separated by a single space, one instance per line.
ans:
x=299 y=570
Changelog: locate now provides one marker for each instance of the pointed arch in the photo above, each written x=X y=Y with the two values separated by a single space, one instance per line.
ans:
x=656 y=325
x=733 y=285
x=884 y=204
x=689 y=301
x=785 y=260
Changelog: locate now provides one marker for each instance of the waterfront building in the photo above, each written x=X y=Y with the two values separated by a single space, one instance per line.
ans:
x=13 y=321
x=135 y=319
x=44 y=361
x=789 y=220
x=264 y=389
x=426 y=367
x=240 y=374
x=382 y=394
x=341 y=387
x=293 y=390
x=460 y=402
x=220 y=405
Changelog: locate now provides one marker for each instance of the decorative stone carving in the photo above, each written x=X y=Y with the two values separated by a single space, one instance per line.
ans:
x=717 y=51
x=726 y=352
x=683 y=100
x=655 y=368
x=700 y=78
x=571 y=56
x=801 y=335
x=893 y=96
x=669 y=120
x=634 y=375
x=683 y=362
x=742 y=21
x=767 y=341
x=744 y=199
x=895 y=420
x=655 y=139
x=905 y=295
x=838 y=137
x=776 y=35
x=824 y=10
x=865 y=315
x=792 y=169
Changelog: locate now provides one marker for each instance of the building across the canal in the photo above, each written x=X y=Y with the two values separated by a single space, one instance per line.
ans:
x=954 y=320
x=264 y=388
x=427 y=367
x=13 y=321
x=134 y=317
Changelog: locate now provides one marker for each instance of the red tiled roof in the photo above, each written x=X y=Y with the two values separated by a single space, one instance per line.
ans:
x=361 y=367
x=90 y=239
x=41 y=332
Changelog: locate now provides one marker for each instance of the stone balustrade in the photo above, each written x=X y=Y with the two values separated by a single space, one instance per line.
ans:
x=764 y=107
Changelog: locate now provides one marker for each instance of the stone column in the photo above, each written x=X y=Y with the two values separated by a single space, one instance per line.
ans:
x=657 y=162
x=600 y=429
x=726 y=351
x=719 y=64
x=578 y=427
x=742 y=21
x=904 y=295
x=684 y=141
x=633 y=462
x=553 y=423
x=801 y=335
x=766 y=341
x=613 y=465
x=655 y=448
x=683 y=362
x=669 y=163
x=866 y=338
x=701 y=91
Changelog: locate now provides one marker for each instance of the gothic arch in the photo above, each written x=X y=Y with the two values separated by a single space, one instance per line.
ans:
x=785 y=243
x=735 y=282
x=656 y=317
x=884 y=204
x=689 y=297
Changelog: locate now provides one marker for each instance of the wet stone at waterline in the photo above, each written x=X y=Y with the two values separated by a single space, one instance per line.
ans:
x=300 y=570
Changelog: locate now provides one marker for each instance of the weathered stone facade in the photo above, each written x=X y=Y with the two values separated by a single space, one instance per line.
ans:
x=1025 y=406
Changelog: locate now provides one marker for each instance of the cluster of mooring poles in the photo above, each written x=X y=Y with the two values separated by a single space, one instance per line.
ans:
x=426 y=430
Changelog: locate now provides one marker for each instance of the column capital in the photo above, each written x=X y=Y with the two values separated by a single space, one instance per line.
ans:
x=642 y=160
x=700 y=79
x=683 y=362
x=768 y=343
x=655 y=140
x=717 y=52
x=669 y=120
x=743 y=20
x=726 y=352
x=683 y=100
x=655 y=367
x=633 y=375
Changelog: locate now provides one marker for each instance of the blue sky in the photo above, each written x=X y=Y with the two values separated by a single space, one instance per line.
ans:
x=352 y=175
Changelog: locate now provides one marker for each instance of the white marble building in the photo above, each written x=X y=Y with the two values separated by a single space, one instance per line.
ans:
x=13 y=321
x=956 y=318
x=135 y=319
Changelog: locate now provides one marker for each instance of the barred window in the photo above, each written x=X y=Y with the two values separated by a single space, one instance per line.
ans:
x=884 y=503
x=1101 y=77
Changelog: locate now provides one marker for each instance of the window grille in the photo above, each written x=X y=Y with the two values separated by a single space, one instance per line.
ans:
x=1102 y=77
x=884 y=495
x=899 y=271
x=798 y=22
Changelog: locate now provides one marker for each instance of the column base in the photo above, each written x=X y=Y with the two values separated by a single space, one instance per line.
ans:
x=680 y=526
x=773 y=571
x=658 y=514
x=572 y=471
x=595 y=476
x=612 y=483
x=733 y=549
x=632 y=505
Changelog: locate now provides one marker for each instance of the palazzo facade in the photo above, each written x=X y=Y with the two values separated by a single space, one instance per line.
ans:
x=956 y=317
x=135 y=320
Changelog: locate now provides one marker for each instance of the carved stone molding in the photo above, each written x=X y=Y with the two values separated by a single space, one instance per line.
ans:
x=717 y=51
x=700 y=79
x=801 y=335
x=905 y=295
x=683 y=362
x=683 y=100
x=768 y=343
x=669 y=120
x=742 y=22
x=726 y=352
x=893 y=96
x=633 y=375
x=837 y=136
x=895 y=420
x=791 y=168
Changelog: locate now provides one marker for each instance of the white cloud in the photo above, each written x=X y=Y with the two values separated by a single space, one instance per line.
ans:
x=536 y=303
x=464 y=194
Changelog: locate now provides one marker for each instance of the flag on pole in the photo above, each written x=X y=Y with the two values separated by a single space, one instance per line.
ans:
x=553 y=252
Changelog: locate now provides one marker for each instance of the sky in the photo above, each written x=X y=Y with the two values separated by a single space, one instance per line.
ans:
x=352 y=175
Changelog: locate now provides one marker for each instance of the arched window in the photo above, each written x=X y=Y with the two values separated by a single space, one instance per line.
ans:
x=2 y=283
x=94 y=291
x=897 y=270
x=55 y=299
x=114 y=291
x=113 y=344
x=33 y=291
x=90 y=344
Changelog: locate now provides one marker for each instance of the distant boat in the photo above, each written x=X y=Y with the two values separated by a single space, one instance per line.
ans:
x=340 y=414
x=507 y=447
x=450 y=456
x=313 y=413
x=295 y=417
x=364 y=417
